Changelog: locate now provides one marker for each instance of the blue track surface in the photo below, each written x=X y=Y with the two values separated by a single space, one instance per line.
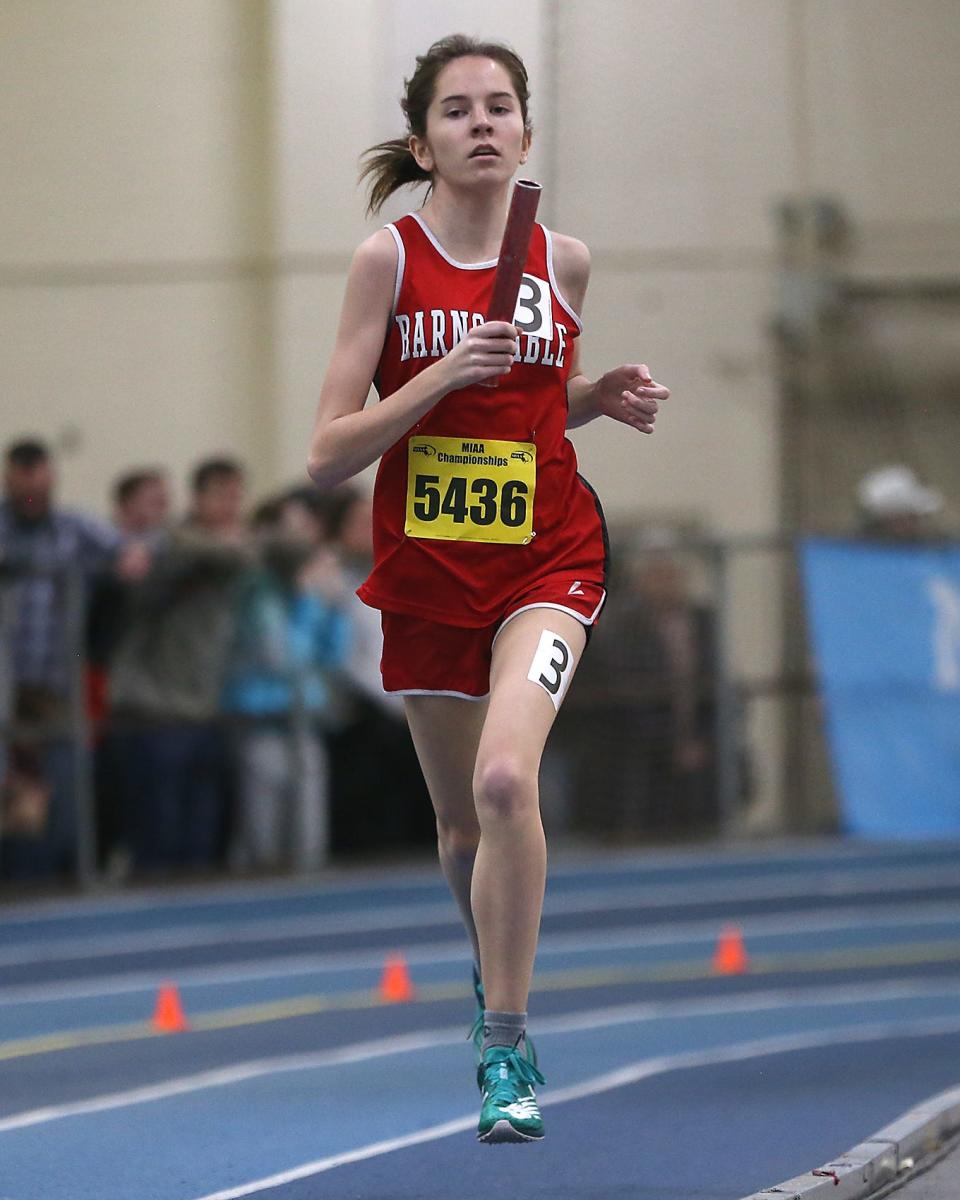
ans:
x=296 y=1081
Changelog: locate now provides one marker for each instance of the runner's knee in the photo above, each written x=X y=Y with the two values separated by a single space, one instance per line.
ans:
x=458 y=833
x=503 y=787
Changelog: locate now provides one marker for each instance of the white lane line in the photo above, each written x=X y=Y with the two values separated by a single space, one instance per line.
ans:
x=239 y=1073
x=567 y=864
x=456 y=951
x=621 y=1014
x=266 y=929
x=240 y=893
x=677 y=896
x=623 y=1077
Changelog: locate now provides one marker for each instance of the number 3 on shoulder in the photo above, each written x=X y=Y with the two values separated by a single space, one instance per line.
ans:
x=552 y=666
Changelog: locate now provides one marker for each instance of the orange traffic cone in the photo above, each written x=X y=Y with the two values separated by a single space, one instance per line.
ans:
x=396 y=986
x=168 y=1016
x=730 y=957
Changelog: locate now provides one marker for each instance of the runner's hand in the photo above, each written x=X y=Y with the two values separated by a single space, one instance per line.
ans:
x=628 y=394
x=485 y=353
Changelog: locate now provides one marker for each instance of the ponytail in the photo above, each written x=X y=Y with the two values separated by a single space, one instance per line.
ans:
x=390 y=166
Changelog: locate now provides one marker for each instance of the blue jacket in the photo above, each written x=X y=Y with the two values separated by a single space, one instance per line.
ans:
x=285 y=639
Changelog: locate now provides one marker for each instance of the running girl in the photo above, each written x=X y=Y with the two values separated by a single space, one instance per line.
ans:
x=490 y=550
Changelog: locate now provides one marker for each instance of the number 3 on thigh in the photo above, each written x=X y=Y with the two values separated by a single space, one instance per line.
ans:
x=552 y=666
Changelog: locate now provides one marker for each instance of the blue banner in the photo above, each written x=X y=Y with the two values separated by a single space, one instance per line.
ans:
x=885 y=628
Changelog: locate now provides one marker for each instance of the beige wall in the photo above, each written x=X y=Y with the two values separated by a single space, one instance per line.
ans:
x=668 y=170
x=133 y=221
x=178 y=207
x=882 y=99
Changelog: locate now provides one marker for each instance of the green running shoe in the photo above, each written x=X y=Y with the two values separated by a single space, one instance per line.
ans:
x=509 y=1112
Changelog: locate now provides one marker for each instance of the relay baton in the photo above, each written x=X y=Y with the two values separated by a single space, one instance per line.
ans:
x=513 y=250
x=513 y=254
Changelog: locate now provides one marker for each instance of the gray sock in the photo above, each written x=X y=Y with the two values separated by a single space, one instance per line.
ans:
x=458 y=871
x=503 y=1029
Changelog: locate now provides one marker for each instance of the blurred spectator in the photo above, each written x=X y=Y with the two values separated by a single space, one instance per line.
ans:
x=140 y=498
x=167 y=678
x=291 y=636
x=141 y=503
x=894 y=506
x=379 y=798
x=264 y=518
x=641 y=712
x=684 y=631
x=217 y=499
x=350 y=523
x=39 y=818
x=141 y=508
x=306 y=513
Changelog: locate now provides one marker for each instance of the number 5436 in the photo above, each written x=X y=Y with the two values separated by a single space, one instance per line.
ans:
x=481 y=501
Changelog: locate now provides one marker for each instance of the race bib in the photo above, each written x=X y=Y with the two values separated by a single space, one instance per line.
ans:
x=470 y=491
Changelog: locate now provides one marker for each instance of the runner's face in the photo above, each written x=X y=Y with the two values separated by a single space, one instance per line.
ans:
x=475 y=132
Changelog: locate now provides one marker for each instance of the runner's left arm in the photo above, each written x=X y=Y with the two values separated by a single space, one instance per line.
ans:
x=627 y=393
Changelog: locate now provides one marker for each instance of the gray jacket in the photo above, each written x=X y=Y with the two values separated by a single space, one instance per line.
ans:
x=170 y=663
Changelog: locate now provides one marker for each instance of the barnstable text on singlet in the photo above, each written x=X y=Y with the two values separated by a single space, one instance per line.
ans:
x=448 y=328
x=433 y=333
x=471 y=491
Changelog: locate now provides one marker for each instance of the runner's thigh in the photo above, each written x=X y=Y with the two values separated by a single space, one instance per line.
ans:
x=534 y=658
x=446 y=734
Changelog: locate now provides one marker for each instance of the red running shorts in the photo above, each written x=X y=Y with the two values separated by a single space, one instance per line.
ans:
x=426 y=658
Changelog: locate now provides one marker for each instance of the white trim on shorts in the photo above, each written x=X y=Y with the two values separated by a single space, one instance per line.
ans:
x=588 y=621
x=427 y=692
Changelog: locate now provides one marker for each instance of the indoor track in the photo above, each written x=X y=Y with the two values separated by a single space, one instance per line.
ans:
x=295 y=1080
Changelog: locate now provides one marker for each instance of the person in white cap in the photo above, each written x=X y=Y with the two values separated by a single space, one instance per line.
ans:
x=895 y=506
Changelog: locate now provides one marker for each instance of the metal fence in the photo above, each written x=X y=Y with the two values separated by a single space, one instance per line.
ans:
x=695 y=711
x=46 y=740
x=112 y=764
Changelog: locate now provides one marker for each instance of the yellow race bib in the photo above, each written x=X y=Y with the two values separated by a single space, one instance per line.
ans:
x=467 y=490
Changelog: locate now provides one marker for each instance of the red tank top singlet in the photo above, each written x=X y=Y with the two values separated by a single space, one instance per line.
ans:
x=481 y=497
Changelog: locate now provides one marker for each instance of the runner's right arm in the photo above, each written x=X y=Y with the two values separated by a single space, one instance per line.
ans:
x=348 y=437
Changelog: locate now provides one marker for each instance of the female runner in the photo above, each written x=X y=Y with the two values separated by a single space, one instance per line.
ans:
x=490 y=550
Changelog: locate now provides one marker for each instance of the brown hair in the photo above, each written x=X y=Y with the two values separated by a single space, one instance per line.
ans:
x=390 y=165
x=211 y=469
x=126 y=486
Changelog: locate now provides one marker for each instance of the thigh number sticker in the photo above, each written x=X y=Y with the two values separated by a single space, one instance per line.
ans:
x=472 y=491
x=552 y=666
